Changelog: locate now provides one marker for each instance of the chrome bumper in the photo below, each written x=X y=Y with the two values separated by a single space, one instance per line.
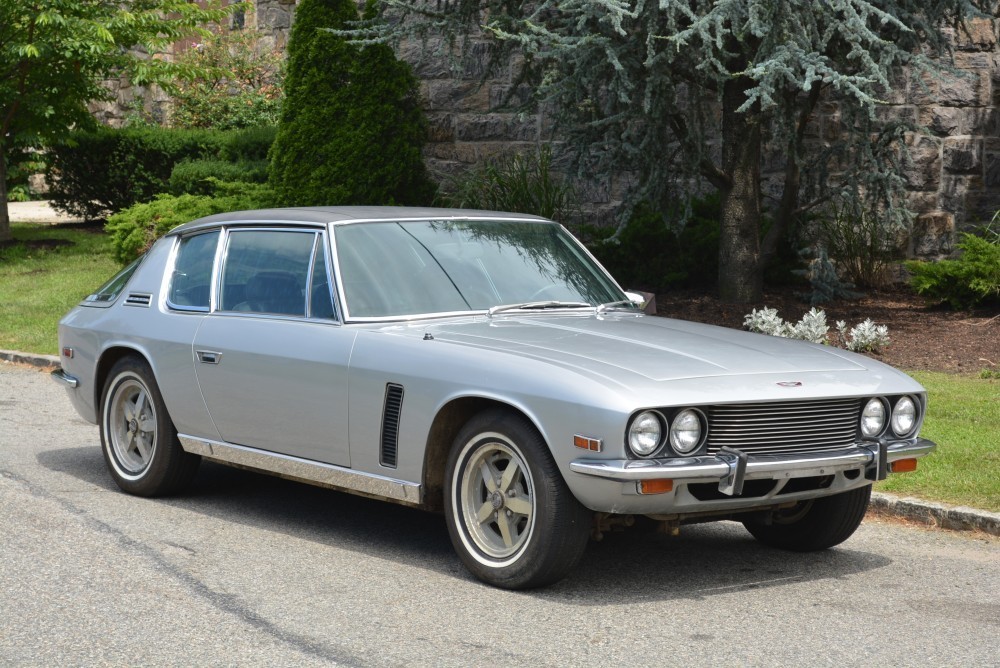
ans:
x=731 y=467
x=64 y=378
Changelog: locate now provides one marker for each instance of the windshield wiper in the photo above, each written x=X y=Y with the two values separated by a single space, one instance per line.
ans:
x=537 y=306
x=621 y=302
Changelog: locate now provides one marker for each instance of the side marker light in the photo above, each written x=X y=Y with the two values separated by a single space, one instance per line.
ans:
x=903 y=466
x=592 y=444
x=655 y=486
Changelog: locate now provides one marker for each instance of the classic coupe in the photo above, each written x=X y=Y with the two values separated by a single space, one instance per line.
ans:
x=477 y=363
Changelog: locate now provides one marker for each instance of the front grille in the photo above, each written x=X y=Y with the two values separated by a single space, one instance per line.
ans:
x=784 y=427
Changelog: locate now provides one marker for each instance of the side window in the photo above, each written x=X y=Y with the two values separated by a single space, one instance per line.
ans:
x=110 y=290
x=267 y=271
x=321 y=303
x=191 y=282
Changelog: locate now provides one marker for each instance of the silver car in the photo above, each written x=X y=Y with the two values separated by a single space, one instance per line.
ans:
x=476 y=363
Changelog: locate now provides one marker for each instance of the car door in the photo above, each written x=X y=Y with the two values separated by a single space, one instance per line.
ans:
x=272 y=359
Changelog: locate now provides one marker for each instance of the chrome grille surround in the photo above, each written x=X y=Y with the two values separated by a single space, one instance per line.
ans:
x=784 y=427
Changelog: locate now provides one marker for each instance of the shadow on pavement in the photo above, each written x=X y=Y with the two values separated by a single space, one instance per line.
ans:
x=705 y=560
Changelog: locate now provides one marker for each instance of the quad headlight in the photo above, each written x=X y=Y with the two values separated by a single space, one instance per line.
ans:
x=873 y=418
x=904 y=416
x=645 y=434
x=686 y=431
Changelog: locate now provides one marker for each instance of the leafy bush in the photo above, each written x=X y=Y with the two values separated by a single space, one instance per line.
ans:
x=248 y=144
x=823 y=279
x=651 y=255
x=523 y=183
x=243 y=88
x=972 y=279
x=351 y=128
x=864 y=337
x=196 y=177
x=134 y=230
x=861 y=244
x=95 y=172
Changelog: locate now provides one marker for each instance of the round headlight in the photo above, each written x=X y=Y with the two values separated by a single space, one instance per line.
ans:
x=873 y=418
x=685 y=432
x=645 y=434
x=904 y=416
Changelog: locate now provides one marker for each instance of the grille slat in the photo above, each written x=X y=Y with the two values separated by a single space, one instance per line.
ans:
x=784 y=427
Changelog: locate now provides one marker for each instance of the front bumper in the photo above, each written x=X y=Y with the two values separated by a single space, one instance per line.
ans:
x=732 y=467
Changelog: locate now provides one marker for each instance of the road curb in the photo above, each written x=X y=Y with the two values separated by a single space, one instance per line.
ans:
x=31 y=359
x=956 y=518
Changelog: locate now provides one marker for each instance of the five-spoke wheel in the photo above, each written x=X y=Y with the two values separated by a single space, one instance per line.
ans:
x=511 y=517
x=139 y=440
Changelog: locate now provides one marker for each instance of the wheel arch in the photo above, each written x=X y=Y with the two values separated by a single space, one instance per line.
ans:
x=448 y=421
x=108 y=359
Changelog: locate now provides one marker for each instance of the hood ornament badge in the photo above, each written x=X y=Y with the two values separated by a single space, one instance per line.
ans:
x=790 y=383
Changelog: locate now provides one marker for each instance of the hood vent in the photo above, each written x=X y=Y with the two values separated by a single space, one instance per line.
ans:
x=138 y=299
x=390 y=424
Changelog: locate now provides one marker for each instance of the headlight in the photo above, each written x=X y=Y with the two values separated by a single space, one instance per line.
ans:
x=904 y=416
x=685 y=432
x=873 y=418
x=646 y=433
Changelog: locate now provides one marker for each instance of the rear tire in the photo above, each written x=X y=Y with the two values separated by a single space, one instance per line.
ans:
x=137 y=436
x=511 y=517
x=813 y=525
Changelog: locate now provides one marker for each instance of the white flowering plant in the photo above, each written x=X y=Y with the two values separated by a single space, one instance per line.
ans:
x=864 y=337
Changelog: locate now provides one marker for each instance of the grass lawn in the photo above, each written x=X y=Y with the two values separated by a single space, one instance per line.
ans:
x=42 y=277
x=52 y=269
x=964 y=420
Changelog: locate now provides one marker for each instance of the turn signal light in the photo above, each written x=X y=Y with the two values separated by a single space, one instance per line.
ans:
x=655 y=486
x=903 y=465
x=593 y=444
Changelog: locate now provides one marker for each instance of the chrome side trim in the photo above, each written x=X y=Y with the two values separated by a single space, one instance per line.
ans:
x=709 y=469
x=64 y=378
x=305 y=470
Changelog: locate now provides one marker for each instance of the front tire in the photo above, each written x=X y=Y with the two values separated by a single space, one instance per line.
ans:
x=511 y=517
x=138 y=438
x=813 y=525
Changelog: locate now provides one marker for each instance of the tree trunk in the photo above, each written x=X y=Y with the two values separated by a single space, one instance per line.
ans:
x=5 y=233
x=740 y=274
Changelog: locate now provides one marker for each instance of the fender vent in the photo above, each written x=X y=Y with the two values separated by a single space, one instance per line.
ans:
x=138 y=299
x=390 y=424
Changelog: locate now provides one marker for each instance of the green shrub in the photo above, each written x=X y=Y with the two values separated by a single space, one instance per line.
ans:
x=970 y=280
x=242 y=88
x=197 y=177
x=651 y=255
x=351 y=127
x=861 y=244
x=134 y=230
x=248 y=145
x=96 y=172
x=522 y=183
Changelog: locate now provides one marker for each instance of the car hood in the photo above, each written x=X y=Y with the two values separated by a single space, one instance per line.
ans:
x=652 y=347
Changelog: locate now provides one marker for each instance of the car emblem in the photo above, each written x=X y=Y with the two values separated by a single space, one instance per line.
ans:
x=790 y=383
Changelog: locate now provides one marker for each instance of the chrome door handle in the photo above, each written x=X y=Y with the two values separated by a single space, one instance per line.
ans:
x=209 y=356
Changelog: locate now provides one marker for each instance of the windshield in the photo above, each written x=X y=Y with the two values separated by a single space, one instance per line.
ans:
x=391 y=269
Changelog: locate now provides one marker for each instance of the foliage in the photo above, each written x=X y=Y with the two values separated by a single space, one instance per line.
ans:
x=44 y=272
x=865 y=337
x=240 y=87
x=812 y=327
x=826 y=284
x=97 y=172
x=963 y=413
x=198 y=177
x=135 y=229
x=650 y=254
x=55 y=54
x=522 y=183
x=970 y=280
x=648 y=87
x=860 y=243
x=351 y=126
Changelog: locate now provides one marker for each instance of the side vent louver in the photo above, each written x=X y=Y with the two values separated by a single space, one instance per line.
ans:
x=390 y=424
x=138 y=299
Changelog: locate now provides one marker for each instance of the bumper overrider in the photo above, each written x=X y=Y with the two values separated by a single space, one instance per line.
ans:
x=731 y=467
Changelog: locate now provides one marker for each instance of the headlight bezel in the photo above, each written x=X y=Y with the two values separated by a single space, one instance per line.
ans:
x=886 y=409
x=917 y=415
x=661 y=439
x=699 y=415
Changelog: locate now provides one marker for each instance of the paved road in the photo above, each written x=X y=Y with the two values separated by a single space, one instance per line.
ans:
x=251 y=570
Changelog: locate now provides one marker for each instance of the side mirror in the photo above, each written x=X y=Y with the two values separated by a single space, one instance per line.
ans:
x=644 y=300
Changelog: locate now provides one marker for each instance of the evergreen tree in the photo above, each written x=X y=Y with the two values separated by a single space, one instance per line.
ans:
x=684 y=92
x=351 y=128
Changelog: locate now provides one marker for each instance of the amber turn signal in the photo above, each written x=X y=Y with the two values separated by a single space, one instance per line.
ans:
x=593 y=444
x=655 y=486
x=903 y=465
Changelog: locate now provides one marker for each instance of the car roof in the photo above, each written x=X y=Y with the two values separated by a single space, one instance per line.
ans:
x=342 y=214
